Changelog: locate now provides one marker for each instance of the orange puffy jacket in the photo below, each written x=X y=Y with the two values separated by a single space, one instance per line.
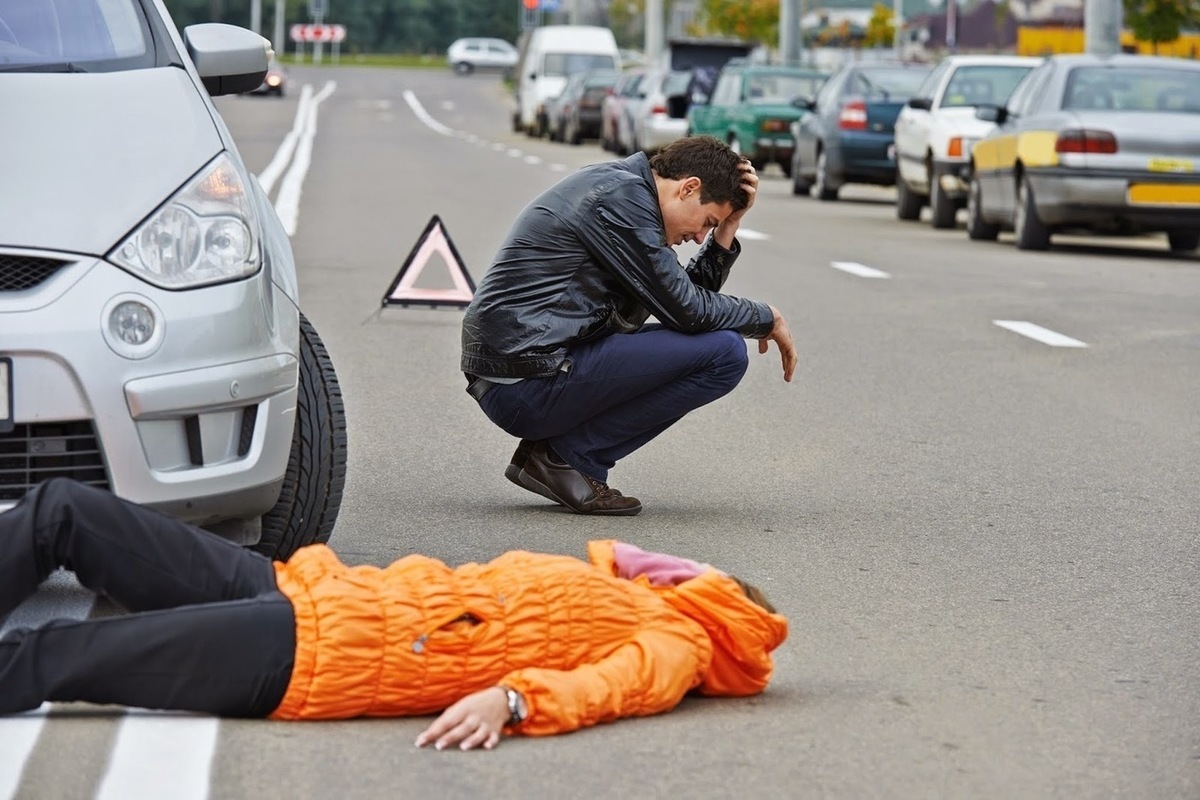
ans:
x=581 y=644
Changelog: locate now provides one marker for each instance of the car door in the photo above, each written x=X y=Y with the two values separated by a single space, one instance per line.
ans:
x=999 y=187
x=810 y=130
x=912 y=128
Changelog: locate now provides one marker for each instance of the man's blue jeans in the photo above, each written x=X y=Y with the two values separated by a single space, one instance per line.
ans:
x=619 y=393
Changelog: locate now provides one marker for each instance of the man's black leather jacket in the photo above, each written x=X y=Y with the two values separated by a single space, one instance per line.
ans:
x=587 y=259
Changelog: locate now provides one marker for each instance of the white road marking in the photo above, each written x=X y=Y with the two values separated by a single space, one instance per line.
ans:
x=287 y=205
x=284 y=154
x=424 y=116
x=497 y=146
x=18 y=736
x=753 y=236
x=533 y=160
x=558 y=167
x=447 y=105
x=858 y=269
x=514 y=152
x=1038 y=333
x=160 y=755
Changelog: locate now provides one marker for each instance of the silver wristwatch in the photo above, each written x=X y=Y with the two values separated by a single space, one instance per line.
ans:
x=517 y=710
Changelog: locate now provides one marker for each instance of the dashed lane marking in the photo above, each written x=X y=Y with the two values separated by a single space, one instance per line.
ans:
x=860 y=270
x=1038 y=333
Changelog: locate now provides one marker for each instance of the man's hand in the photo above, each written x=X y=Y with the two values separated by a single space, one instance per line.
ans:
x=476 y=720
x=728 y=227
x=782 y=336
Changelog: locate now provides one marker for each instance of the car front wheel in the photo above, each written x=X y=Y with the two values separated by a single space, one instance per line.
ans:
x=908 y=202
x=316 y=472
x=977 y=228
x=463 y=68
x=1031 y=232
x=823 y=190
x=942 y=209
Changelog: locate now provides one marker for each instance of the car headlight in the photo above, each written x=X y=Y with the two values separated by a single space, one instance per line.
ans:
x=206 y=233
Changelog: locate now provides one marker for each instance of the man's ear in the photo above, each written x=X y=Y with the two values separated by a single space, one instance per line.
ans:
x=689 y=186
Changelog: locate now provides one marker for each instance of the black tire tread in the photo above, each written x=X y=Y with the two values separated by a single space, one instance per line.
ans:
x=311 y=497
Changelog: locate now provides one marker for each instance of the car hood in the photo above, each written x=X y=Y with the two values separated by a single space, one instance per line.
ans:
x=86 y=157
x=963 y=122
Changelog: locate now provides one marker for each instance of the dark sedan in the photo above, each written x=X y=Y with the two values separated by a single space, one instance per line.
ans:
x=848 y=136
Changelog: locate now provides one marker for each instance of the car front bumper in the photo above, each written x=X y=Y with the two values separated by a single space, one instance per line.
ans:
x=660 y=131
x=199 y=425
x=1120 y=200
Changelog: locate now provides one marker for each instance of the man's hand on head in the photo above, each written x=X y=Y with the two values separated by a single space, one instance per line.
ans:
x=728 y=227
x=781 y=334
x=477 y=720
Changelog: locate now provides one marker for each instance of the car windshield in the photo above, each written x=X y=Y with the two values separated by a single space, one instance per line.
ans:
x=780 y=87
x=980 y=85
x=75 y=36
x=676 y=83
x=563 y=64
x=1128 y=88
x=889 y=83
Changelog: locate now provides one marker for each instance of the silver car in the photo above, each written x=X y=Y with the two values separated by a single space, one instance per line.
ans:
x=1105 y=144
x=151 y=340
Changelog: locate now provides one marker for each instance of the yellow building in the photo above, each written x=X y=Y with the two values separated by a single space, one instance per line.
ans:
x=1042 y=40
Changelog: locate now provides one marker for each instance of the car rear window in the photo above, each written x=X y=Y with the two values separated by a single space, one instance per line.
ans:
x=888 y=83
x=779 y=87
x=990 y=85
x=80 y=35
x=564 y=64
x=1129 y=88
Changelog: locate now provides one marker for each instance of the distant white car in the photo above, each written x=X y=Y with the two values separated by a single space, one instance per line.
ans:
x=936 y=129
x=467 y=55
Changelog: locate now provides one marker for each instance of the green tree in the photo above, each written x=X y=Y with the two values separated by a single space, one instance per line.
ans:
x=881 y=30
x=751 y=20
x=1157 y=21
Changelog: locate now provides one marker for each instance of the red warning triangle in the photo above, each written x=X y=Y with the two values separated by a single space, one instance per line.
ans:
x=432 y=241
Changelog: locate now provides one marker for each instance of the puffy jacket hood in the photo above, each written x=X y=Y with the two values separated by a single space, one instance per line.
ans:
x=86 y=157
x=743 y=634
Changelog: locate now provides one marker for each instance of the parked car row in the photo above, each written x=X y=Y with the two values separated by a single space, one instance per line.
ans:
x=1033 y=145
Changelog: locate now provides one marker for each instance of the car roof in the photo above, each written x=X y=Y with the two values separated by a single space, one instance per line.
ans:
x=1122 y=59
x=999 y=60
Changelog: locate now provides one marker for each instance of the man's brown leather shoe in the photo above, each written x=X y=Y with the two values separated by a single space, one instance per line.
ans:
x=570 y=487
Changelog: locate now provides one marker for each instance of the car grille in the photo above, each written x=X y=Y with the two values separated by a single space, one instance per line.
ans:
x=18 y=273
x=32 y=453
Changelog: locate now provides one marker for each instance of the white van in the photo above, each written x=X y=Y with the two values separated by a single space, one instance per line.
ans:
x=549 y=56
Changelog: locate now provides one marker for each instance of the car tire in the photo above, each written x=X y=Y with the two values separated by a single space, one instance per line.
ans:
x=786 y=166
x=1183 y=241
x=821 y=184
x=908 y=202
x=1031 y=232
x=311 y=497
x=977 y=228
x=943 y=210
x=463 y=68
x=800 y=186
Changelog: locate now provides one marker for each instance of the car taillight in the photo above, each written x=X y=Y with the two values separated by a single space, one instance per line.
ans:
x=659 y=109
x=853 y=116
x=775 y=125
x=954 y=148
x=1085 y=140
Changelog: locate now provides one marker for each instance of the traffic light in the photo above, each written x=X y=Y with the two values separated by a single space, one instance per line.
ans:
x=531 y=5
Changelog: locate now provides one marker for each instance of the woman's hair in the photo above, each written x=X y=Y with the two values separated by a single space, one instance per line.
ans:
x=755 y=595
x=710 y=160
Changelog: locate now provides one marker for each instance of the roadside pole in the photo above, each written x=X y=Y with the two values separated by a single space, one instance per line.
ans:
x=256 y=16
x=654 y=32
x=898 y=28
x=278 y=42
x=790 y=36
x=1102 y=27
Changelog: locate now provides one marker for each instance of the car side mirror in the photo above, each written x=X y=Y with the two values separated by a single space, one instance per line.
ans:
x=228 y=59
x=533 y=76
x=990 y=113
x=920 y=103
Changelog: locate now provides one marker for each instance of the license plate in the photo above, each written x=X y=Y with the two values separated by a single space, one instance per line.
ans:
x=1164 y=194
x=6 y=412
x=1170 y=165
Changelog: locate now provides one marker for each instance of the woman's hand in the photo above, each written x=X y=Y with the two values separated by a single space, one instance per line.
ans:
x=476 y=720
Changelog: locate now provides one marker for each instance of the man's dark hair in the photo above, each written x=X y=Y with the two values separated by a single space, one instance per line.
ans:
x=710 y=160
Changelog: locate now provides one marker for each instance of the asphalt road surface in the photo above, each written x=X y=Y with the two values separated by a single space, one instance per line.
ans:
x=977 y=502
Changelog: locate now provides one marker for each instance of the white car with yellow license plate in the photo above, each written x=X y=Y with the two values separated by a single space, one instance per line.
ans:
x=1105 y=144
x=936 y=129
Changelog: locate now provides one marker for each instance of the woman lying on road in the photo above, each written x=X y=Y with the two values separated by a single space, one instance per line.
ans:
x=528 y=643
